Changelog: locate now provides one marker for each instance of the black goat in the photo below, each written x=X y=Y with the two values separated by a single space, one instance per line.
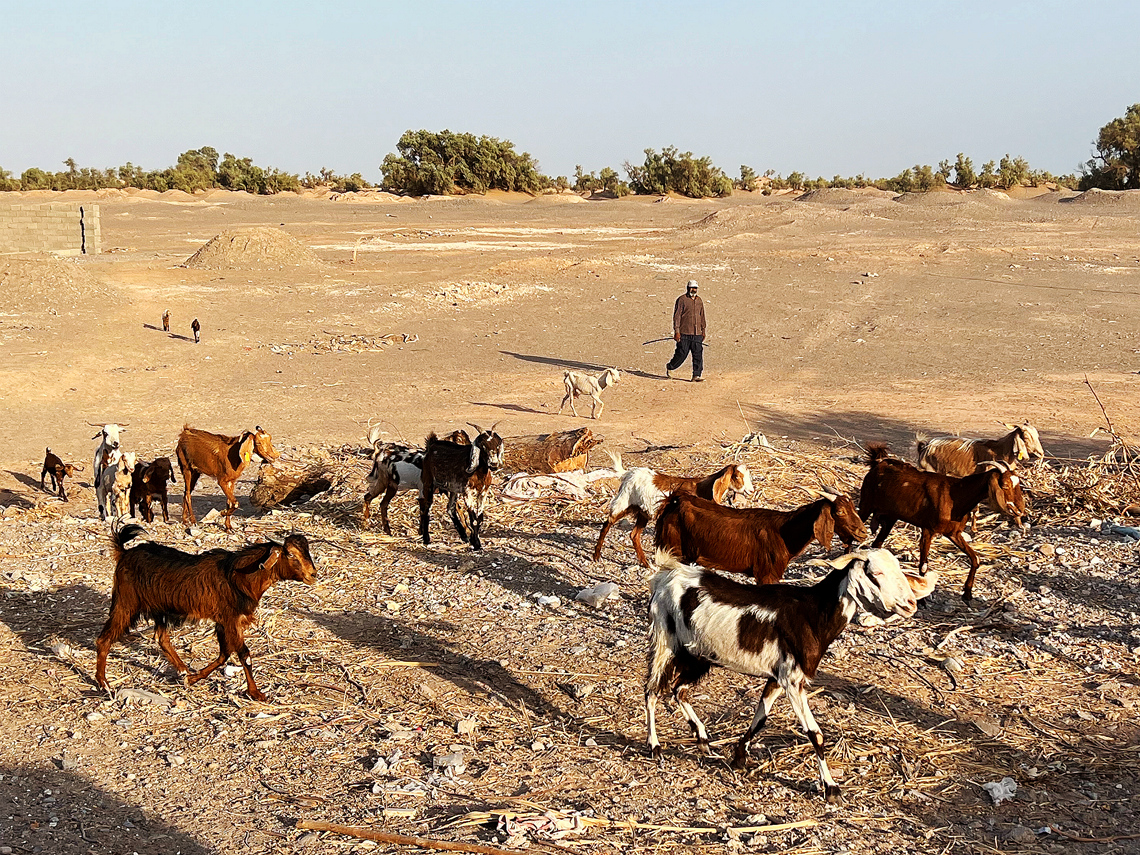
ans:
x=460 y=470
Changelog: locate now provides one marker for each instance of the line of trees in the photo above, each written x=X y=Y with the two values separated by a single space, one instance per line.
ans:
x=444 y=163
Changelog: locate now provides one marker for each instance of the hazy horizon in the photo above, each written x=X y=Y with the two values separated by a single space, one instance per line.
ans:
x=824 y=89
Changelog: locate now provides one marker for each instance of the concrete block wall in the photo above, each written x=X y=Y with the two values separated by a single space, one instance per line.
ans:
x=61 y=228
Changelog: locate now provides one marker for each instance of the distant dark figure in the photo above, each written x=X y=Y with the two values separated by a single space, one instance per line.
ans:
x=197 y=327
x=166 y=320
x=688 y=332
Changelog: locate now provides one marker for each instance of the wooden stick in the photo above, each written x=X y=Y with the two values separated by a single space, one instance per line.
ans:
x=1109 y=839
x=1111 y=429
x=362 y=833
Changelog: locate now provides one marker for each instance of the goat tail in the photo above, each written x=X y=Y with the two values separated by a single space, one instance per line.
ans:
x=876 y=451
x=123 y=536
x=615 y=457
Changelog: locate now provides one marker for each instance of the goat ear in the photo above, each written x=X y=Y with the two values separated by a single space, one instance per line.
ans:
x=825 y=528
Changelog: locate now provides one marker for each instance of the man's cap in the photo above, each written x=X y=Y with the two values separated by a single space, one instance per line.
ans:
x=692 y=284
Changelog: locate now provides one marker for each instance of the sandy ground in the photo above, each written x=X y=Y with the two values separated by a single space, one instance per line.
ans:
x=842 y=316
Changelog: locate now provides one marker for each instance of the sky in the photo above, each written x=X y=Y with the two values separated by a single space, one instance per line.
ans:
x=823 y=88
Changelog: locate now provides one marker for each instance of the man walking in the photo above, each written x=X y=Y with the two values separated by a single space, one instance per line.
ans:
x=688 y=332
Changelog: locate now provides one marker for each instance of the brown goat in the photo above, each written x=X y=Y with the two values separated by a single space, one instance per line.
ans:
x=223 y=458
x=57 y=470
x=894 y=490
x=642 y=492
x=149 y=482
x=758 y=541
x=170 y=587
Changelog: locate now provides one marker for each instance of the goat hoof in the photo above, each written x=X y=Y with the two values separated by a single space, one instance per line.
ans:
x=259 y=696
x=740 y=760
x=834 y=796
x=655 y=753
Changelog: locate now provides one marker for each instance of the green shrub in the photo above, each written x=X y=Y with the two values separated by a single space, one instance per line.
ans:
x=748 y=180
x=671 y=171
x=1116 y=163
x=445 y=162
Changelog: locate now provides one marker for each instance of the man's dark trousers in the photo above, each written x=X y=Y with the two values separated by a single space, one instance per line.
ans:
x=689 y=343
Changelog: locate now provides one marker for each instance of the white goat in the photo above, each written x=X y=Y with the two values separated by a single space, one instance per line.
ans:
x=106 y=449
x=578 y=383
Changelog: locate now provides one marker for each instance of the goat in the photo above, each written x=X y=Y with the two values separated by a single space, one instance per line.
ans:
x=109 y=439
x=698 y=619
x=196 y=328
x=959 y=457
x=642 y=492
x=57 y=470
x=457 y=469
x=752 y=540
x=170 y=587
x=149 y=482
x=578 y=383
x=938 y=504
x=395 y=467
x=223 y=458
x=113 y=492
x=166 y=320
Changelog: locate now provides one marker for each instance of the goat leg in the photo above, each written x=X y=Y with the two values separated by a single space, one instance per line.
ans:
x=960 y=542
x=606 y=526
x=388 y=494
x=247 y=664
x=771 y=692
x=162 y=636
x=231 y=501
x=476 y=524
x=453 y=510
x=639 y=525
x=885 y=526
x=224 y=652
x=425 y=515
x=798 y=698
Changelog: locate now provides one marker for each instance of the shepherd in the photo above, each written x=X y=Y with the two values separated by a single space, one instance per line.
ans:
x=688 y=332
x=197 y=328
x=166 y=320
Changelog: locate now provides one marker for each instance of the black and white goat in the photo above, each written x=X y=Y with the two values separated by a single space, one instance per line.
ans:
x=698 y=619
x=459 y=469
x=395 y=467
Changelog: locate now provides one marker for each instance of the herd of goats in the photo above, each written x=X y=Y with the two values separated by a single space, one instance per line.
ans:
x=698 y=617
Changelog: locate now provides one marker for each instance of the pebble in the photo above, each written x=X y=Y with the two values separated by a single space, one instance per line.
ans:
x=1047 y=549
x=466 y=726
x=94 y=716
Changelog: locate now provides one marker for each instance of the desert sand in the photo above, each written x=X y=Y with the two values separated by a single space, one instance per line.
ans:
x=839 y=318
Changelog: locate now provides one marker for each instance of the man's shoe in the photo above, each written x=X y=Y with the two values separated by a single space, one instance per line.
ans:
x=698 y=379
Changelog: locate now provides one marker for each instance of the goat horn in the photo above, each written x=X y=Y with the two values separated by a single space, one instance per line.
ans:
x=472 y=424
x=495 y=425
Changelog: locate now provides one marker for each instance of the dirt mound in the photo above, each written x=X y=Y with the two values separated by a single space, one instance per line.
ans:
x=1112 y=200
x=841 y=196
x=932 y=198
x=259 y=248
x=47 y=284
x=744 y=218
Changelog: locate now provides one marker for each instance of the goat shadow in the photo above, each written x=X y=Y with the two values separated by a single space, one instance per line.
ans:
x=32 y=482
x=169 y=334
x=516 y=408
x=471 y=674
x=576 y=365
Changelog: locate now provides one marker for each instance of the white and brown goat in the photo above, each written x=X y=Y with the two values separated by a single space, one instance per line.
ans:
x=699 y=619
x=57 y=470
x=642 y=491
x=959 y=457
